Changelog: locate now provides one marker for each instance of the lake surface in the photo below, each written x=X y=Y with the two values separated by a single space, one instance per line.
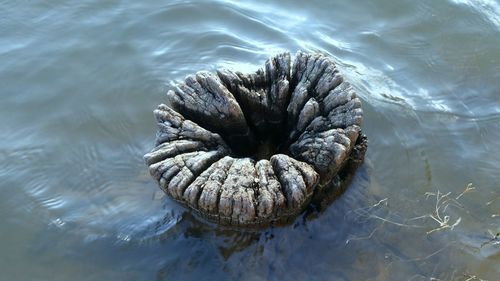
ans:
x=79 y=81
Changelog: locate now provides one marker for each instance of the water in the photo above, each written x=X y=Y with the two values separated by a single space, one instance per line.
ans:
x=79 y=81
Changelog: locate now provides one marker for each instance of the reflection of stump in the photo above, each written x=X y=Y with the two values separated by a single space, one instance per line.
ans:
x=252 y=149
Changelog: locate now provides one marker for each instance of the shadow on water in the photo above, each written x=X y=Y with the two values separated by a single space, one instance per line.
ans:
x=356 y=238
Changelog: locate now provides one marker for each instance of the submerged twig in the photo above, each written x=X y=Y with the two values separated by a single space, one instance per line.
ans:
x=439 y=214
x=443 y=201
x=495 y=239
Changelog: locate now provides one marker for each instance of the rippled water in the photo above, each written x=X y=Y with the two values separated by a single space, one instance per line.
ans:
x=79 y=81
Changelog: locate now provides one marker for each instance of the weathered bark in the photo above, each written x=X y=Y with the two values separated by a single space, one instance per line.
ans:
x=212 y=135
x=203 y=99
x=263 y=95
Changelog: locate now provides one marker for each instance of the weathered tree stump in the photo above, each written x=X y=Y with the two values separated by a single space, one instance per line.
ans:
x=253 y=149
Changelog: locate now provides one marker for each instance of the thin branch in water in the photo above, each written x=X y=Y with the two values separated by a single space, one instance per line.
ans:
x=472 y=277
x=495 y=239
x=433 y=253
x=443 y=201
x=493 y=200
x=395 y=223
x=439 y=215
x=364 y=237
x=365 y=210
x=468 y=188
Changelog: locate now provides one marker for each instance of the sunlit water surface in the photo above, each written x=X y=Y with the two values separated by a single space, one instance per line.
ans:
x=79 y=81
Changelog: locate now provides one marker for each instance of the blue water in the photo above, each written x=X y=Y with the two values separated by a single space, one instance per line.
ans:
x=79 y=81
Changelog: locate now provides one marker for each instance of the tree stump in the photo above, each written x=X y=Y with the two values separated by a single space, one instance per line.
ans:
x=255 y=149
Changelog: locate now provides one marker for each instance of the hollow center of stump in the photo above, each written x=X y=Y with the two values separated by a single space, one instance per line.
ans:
x=264 y=150
x=266 y=145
